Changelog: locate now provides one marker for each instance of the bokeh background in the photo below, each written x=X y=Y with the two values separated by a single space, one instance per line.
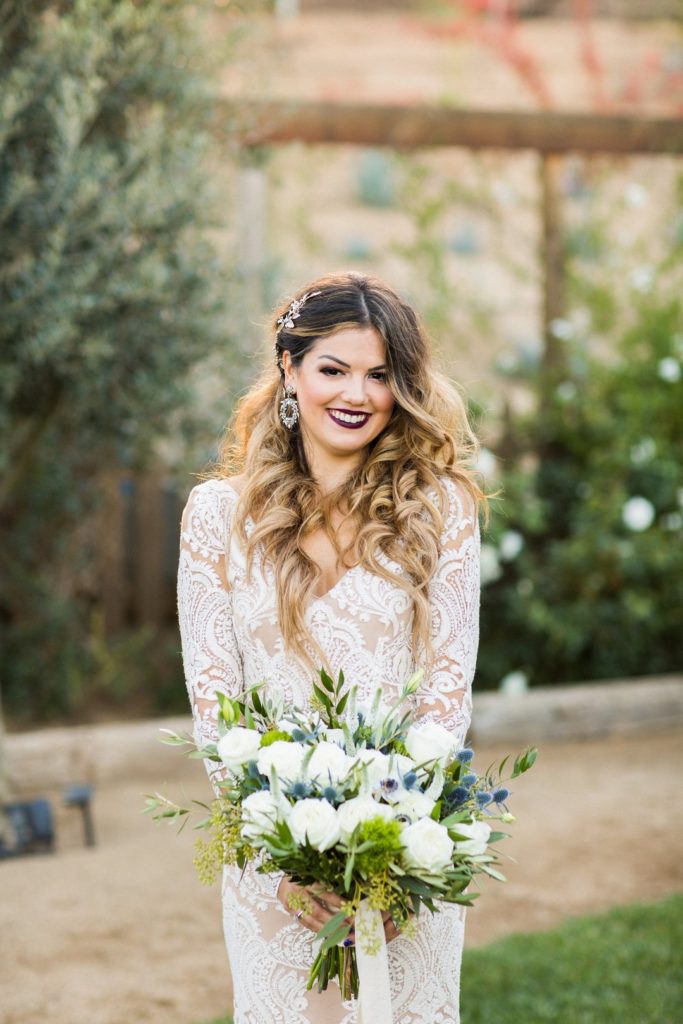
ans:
x=169 y=172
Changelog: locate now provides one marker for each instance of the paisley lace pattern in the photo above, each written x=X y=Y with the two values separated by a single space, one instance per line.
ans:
x=230 y=640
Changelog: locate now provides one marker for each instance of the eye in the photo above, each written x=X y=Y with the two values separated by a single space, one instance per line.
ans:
x=327 y=370
x=379 y=375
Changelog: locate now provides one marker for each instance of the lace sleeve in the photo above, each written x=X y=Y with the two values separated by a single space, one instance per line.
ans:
x=211 y=658
x=446 y=693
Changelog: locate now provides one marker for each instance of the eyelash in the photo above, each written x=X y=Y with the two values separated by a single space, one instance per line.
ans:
x=380 y=376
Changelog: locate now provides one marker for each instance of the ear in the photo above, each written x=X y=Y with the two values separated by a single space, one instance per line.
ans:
x=288 y=368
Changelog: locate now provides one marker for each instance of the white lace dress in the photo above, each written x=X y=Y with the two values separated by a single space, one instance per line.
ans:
x=230 y=639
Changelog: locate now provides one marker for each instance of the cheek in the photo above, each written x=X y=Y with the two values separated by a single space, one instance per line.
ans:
x=314 y=390
x=385 y=402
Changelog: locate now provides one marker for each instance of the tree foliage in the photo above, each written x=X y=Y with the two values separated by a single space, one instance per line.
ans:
x=107 y=292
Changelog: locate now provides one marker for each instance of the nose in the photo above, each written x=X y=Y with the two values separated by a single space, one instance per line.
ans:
x=354 y=390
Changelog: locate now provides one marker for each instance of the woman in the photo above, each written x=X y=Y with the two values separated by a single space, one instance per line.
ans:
x=349 y=538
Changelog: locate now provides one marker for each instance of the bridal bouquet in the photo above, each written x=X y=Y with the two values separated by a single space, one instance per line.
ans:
x=360 y=800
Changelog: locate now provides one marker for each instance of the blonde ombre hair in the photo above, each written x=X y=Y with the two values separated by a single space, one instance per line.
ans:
x=386 y=497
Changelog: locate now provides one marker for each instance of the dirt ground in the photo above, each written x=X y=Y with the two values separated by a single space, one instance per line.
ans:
x=124 y=932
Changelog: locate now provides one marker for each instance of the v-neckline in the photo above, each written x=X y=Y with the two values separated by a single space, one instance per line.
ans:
x=322 y=597
x=315 y=597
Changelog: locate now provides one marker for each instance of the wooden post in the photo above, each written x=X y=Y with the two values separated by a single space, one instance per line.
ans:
x=147 y=560
x=111 y=553
x=553 y=268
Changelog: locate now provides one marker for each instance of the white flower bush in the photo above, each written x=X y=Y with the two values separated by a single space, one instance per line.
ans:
x=489 y=565
x=638 y=513
x=511 y=544
x=669 y=369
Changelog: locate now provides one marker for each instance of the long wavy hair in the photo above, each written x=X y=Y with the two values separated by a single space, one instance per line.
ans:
x=385 y=498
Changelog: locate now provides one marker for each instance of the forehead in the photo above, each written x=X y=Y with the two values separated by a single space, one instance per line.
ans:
x=354 y=345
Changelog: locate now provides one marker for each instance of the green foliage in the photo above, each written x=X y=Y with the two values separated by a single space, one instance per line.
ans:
x=382 y=842
x=616 y=967
x=106 y=297
x=584 y=556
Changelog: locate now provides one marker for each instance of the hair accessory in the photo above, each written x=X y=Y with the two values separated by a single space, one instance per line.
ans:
x=287 y=319
x=289 y=408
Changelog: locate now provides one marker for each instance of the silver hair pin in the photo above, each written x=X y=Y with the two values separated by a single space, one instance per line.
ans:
x=294 y=311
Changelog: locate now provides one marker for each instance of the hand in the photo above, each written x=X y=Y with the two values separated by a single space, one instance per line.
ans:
x=316 y=908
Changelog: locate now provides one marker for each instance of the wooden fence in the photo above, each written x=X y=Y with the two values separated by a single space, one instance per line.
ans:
x=140 y=526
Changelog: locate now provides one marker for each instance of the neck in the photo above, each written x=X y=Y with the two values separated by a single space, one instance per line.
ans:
x=330 y=471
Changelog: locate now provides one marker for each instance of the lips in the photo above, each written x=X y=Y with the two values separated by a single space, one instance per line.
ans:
x=348 y=419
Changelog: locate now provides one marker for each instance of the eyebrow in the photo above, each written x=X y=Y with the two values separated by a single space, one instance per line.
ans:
x=347 y=365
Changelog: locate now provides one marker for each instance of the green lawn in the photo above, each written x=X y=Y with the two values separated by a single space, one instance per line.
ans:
x=625 y=966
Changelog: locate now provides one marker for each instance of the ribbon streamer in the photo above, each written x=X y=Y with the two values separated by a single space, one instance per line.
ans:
x=374 y=994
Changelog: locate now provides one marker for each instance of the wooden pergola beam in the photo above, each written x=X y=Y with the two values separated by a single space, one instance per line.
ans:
x=422 y=125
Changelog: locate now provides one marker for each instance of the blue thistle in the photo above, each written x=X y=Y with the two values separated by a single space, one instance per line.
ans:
x=465 y=755
x=469 y=779
x=330 y=793
x=457 y=796
x=500 y=794
x=298 y=735
x=409 y=779
x=299 y=790
x=483 y=798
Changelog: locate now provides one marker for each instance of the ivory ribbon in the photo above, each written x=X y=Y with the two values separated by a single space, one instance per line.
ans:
x=374 y=995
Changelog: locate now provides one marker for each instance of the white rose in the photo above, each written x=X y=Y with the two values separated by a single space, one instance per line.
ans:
x=238 y=746
x=360 y=808
x=431 y=742
x=286 y=725
x=260 y=812
x=427 y=845
x=413 y=805
x=477 y=837
x=335 y=736
x=315 y=821
x=377 y=765
x=329 y=764
x=285 y=757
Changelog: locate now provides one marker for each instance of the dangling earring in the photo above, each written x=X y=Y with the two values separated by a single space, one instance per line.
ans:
x=289 y=408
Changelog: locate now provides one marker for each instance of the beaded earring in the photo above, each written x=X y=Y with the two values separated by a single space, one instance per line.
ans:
x=289 y=408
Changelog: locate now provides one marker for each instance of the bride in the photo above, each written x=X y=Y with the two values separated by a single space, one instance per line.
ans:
x=348 y=538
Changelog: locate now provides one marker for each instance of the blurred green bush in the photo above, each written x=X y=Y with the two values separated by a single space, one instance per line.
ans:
x=583 y=563
x=108 y=298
